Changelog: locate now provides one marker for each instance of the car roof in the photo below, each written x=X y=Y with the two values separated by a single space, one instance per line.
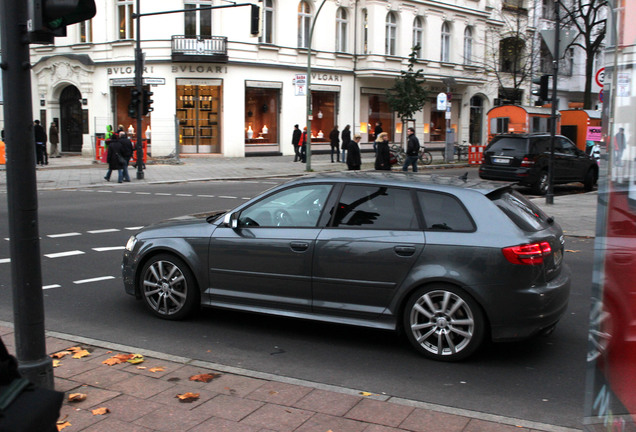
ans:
x=526 y=135
x=437 y=182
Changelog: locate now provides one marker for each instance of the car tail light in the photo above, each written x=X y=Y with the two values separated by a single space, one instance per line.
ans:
x=529 y=254
x=527 y=162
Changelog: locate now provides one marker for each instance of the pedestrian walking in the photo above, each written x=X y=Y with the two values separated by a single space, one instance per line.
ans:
x=54 y=139
x=127 y=152
x=619 y=146
x=412 y=150
x=376 y=134
x=383 y=154
x=40 y=144
x=303 y=145
x=354 y=160
x=296 y=143
x=116 y=160
x=334 y=137
x=346 y=139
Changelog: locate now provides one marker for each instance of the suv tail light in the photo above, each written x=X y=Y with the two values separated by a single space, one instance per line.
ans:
x=528 y=254
x=527 y=162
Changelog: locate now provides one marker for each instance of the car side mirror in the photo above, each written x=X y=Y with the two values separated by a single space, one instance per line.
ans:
x=231 y=220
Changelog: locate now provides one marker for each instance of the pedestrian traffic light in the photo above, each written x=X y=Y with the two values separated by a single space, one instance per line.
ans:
x=49 y=18
x=544 y=87
x=255 y=21
x=147 y=102
x=133 y=106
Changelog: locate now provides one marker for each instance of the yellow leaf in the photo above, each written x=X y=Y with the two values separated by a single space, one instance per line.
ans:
x=76 y=397
x=157 y=369
x=100 y=411
x=136 y=359
x=63 y=425
x=188 y=397
x=366 y=394
x=60 y=354
x=56 y=363
x=81 y=353
x=206 y=378
x=74 y=349
x=117 y=359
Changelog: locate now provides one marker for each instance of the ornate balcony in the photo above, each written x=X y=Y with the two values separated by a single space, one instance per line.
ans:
x=199 y=49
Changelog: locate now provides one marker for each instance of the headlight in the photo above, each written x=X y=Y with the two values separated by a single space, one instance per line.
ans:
x=131 y=243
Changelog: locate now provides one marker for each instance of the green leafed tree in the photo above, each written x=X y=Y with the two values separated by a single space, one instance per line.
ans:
x=407 y=96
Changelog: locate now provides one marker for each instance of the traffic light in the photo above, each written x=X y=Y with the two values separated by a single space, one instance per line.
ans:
x=133 y=106
x=544 y=87
x=49 y=18
x=147 y=102
x=255 y=21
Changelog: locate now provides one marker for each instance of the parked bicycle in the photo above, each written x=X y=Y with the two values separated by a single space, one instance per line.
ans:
x=424 y=156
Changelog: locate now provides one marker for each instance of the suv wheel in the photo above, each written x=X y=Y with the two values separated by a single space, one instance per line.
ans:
x=590 y=180
x=541 y=186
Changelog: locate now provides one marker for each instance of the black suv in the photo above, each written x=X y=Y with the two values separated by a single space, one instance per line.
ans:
x=524 y=158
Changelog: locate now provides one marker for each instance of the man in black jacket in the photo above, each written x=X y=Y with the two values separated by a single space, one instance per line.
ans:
x=412 y=150
x=296 y=143
x=126 y=152
x=40 y=144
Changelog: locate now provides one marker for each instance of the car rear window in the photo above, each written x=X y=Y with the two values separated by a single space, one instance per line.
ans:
x=516 y=147
x=524 y=213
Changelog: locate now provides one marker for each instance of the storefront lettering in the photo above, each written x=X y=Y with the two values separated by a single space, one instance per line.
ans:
x=200 y=69
x=326 y=77
x=127 y=70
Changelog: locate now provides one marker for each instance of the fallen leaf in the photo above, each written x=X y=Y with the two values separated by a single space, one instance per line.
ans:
x=60 y=354
x=117 y=359
x=74 y=349
x=56 y=363
x=63 y=425
x=188 y=397
x=76 y=397
x=572 y=250
x=136 y=359
x=100 y=411
x=157 y=369
x=206 y=378
x=366 y=394
x=81 y=353
x=142 y=367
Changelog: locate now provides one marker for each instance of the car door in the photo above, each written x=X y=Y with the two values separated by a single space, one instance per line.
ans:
x=266 y=261
x=363 y=256
x=566 y=160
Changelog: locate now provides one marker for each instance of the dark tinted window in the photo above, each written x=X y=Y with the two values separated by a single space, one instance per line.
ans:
x=444 y=212
x=525 y=214
x=509 y=147
x=376 y=207
x=563 y=145
x=540 y=145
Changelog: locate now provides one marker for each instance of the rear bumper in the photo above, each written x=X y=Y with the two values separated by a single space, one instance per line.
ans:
x=513 y=174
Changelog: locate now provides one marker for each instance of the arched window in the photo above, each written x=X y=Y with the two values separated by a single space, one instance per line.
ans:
x=445 y=48
x=418 y=30
x=468 y=45
x=342 y=23
x=304 y=24
x=391 y=34
x=267 y=32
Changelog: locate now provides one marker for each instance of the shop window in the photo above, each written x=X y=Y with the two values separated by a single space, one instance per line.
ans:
x=324 y=112
x=261 y=115
x=198 y=111
x=379 y=113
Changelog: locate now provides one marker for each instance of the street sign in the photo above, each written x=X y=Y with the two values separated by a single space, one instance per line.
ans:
x=300 y=83
x=441 y=102
x=129 y=82
x=600 y=77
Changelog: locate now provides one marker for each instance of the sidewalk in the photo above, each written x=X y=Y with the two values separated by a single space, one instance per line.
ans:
x=143 y=397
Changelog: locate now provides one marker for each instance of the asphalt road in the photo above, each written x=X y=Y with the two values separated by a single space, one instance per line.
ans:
x=541 y=379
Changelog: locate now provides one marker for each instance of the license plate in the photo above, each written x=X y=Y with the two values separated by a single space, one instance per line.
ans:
x=501 y=160
x=558 y=256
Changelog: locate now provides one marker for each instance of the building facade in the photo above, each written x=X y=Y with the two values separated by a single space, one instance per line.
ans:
x=217 y=90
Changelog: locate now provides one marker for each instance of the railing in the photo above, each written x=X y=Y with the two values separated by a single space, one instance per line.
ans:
x=186 y=48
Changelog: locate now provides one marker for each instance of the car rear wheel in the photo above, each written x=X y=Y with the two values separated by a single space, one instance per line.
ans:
x=590 y=180
x=444 y=323
x=168 y=287
x=541 y=186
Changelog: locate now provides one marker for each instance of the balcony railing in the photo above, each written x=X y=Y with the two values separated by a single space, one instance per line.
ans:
x=200 y=49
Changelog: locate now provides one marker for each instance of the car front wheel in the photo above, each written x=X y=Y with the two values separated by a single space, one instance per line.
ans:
x=444 y=323
x=168 y=287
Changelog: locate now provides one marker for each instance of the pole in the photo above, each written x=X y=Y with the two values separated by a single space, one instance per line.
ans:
x=309 y=102
x=549 y=197
x=139 y=73
x=26 y=271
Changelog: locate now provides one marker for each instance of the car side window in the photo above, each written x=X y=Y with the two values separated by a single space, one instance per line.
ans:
x=375 y=207
x=540 y=145
x=566 y=146
x=444 y=212
x=298 y=206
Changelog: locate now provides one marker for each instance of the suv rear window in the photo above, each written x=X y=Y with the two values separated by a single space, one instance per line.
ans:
x=524 y=213
x=516 y=147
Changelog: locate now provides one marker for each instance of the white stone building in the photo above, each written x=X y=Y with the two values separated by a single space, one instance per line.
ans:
x=217 y=90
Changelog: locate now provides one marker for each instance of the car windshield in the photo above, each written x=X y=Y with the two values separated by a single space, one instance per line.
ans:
x=515 y=147
x=524 y=213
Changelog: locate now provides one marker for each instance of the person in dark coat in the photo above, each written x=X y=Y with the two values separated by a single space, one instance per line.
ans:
x=346 y=139
x=383 y=154
x=296 y=143
x=303 y=145
x=334 y=137
x=353 y=154
x=40 y=144
x=116 y=160
x=127 y=152
x=412 y=150
x=54 y=139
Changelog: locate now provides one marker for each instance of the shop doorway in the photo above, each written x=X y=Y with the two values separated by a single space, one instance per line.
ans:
x=198 y=111
x=475 y=126
x=71 y=120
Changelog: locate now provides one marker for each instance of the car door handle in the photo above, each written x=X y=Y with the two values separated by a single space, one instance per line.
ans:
x=299 y=246
x=404 y=250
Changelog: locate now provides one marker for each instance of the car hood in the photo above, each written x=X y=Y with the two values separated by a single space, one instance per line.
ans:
x=194 y=225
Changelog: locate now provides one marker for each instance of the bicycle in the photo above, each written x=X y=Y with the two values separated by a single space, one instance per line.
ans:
x=461 y=150
x=423 y=155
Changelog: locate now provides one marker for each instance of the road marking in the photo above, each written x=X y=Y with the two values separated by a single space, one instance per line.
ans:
x=51 y=286
x=185 y=195
x=134 y=228
x=64 y=254
x=97 y=279
x=228 y=197
x=5 y=260
x=124 y=192
x=68 y=234
x=105 y=191
x=246 y=198
x=109 y=248
x=206 y=196
x=143 y=193
x=163 y=194
x=102 y=231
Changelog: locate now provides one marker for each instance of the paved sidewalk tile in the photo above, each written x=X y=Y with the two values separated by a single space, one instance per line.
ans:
x=222 y=425
x=229 y=407
x=127 y=409
x=278 y=418
x=235 y=385
x=169 y=397
x=373 y=411
x=171 y=419
x=141 y=386
x=422 y=420
x=326 y=402
x=476 y=425
x=323 y=423
x=279 y=393
x=114 y=425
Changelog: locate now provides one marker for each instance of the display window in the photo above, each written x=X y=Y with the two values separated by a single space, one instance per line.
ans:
x=261 y=116
x=198 y=111
x=323 y=105
x=380 y=115
x=122 y=118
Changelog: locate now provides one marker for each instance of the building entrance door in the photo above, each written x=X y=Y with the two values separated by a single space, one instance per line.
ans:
x=71 y=119
x=198 y=110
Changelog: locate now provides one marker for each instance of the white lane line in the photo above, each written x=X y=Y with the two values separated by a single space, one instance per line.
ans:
x=185 y=195
x=68 y=234
x=134 y=228
x=246 y=198
x=143 y=193
x=206 y=196
x=163 y=194
x=64 y=254
x=5 y=260
x=225 y=196
x=7 y=238
x=102 y=231
x=109 y=248
x=269 y=182
x=97 y=279
x=51 y=286
x=105 y=191
x=124 y=192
